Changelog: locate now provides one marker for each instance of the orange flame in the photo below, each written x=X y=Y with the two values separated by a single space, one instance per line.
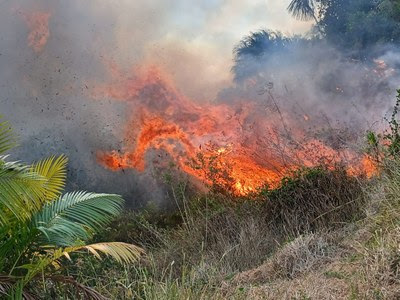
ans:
x=236 y=139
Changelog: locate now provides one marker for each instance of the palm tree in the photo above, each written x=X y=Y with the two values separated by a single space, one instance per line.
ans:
x=304 y=9
x=39 y=227
x=255 y=46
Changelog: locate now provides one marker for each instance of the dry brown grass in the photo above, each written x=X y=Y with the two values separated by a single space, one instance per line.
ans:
x=230 y=250
x=361 y=261
x=298 y=257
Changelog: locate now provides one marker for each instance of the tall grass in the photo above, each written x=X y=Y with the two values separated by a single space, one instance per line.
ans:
x=214 y=241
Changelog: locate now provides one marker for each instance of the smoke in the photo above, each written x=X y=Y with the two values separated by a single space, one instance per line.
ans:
x=45 y=96
x=314 y=78
x=54 y=56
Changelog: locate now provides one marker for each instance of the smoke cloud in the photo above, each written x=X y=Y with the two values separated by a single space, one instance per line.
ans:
x=55 y=54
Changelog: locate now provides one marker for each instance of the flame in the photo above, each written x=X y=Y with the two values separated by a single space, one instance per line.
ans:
x=246 y=148
x=38 y=23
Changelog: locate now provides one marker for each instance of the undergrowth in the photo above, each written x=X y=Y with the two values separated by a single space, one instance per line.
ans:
x=321 y=234
x=198 y=251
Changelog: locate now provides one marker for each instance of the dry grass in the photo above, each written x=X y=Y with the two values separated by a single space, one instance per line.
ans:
x=226 y=249
x=362 y=262
x=298 y=257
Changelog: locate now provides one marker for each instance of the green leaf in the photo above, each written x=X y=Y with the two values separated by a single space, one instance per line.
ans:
x=54 y=169
x=75 y=216
x=21 y=191
x=7 y=138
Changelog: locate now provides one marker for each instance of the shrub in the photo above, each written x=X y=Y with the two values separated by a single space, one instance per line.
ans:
x=313 y=199
x=39 y=227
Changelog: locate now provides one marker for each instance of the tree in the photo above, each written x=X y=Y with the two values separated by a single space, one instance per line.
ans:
x=304 y=9
x=352 y=24
x=39 y=227
x=258 y=46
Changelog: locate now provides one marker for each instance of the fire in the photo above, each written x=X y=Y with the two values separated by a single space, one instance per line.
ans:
x=38 y=23
x=235 y=146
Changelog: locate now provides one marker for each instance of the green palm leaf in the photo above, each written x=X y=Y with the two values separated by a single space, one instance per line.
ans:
x=21 y=191
x=7 y=139
x=54 y=170
x=75 y=216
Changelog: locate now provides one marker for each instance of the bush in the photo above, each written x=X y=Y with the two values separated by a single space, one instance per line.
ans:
x=314 y=199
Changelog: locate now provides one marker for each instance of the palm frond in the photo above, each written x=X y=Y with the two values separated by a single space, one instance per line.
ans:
x=121 y=252
x=21 y=191
x=11 y=288
x=54 y=170
x=75 y=216
x=254 y=50
x=302 y=9
x=7 y=138
x=87 y=292
x=6 y=284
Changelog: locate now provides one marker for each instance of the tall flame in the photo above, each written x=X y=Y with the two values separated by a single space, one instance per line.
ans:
x=238 y=139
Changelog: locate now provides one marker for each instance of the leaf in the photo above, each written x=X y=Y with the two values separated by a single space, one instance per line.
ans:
x=21 y=191
x=11 y=288
x=7 y=139
x=75 y=216
x=121 y=252
x=302 y=9
x=88 y=292
x=54 y=170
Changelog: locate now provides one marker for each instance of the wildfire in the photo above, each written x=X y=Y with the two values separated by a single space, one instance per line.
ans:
x=235 y=146
x=38 y=23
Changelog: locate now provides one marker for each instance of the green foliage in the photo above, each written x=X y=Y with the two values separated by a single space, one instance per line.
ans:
x=39 y=227
x=386 y=145
x=352 y=24
x=24 y=189
x=67 y=219
x=393 y=135
x=312 y=199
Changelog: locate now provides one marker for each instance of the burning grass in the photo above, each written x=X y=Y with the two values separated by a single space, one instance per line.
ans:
x=250 y=147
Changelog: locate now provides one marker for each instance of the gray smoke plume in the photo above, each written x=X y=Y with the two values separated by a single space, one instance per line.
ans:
x=47 y=100
x=316 y=86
